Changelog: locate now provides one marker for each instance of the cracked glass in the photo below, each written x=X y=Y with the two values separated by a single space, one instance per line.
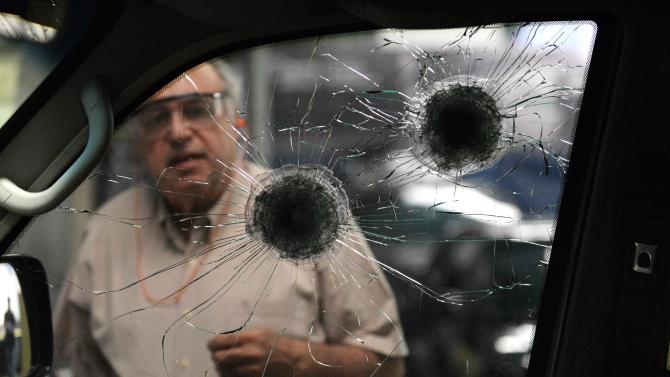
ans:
x=372 y=203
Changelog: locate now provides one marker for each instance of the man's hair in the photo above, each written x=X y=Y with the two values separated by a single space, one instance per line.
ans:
x=232 y=83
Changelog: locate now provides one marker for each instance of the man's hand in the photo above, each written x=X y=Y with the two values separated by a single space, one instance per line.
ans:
x=247 y=353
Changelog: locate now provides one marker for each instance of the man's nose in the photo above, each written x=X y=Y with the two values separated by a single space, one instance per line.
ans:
x=178 y=129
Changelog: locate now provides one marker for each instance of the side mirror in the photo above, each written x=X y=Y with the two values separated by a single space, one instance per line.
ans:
x=26 y=338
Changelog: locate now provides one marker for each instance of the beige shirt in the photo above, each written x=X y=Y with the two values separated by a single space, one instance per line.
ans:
x=144 y=300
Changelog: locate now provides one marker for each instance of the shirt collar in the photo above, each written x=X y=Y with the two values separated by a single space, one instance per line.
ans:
x=229 y=202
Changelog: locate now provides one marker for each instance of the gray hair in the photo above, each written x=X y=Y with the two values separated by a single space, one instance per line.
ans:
x=232 y=81
x=231 y=102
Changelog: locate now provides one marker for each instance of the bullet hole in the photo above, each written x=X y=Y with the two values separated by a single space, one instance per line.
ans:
x=460 y=129
x=298 y=211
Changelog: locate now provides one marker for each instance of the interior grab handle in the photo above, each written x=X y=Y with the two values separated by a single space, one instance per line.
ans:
x=98 y=108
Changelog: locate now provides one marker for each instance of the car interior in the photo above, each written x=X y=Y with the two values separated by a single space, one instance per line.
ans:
x=521 y=244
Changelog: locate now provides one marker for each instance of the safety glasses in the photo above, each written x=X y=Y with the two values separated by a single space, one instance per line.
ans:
x=195 y=110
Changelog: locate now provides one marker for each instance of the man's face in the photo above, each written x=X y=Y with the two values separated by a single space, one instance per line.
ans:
x=183 y=131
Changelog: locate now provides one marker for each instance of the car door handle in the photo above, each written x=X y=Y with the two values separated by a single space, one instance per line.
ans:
x=95 y=99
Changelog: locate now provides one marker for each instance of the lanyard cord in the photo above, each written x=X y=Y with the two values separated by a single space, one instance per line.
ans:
x=175 y=298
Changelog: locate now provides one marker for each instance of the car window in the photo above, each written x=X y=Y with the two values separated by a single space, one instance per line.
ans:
x=358 y=201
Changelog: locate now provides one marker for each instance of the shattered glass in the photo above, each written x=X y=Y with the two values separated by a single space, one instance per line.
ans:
x=392 y=193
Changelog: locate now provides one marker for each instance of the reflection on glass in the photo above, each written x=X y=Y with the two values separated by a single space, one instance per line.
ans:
x=13 y=342
x=35 y=35
x=14 y=27
x=342 y=204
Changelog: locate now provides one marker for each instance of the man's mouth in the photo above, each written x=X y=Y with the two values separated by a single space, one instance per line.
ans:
x=184 y=160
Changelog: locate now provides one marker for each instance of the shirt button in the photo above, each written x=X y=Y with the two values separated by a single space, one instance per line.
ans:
x=183 y=363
